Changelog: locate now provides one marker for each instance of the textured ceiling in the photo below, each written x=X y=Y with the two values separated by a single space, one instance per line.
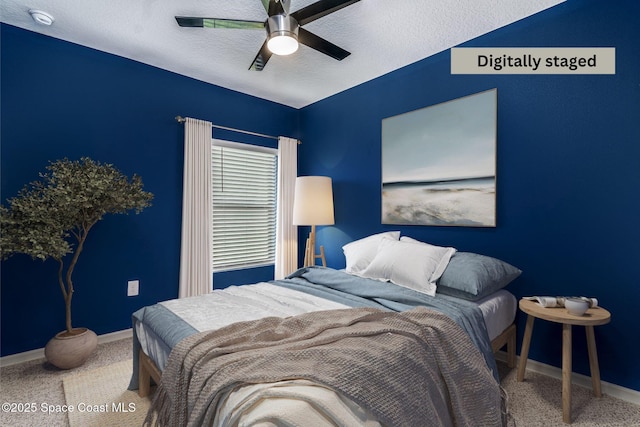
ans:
x=381 y=35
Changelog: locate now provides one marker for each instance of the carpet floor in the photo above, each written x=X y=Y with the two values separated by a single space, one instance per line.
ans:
x=534 y=402
x=537 y=402
x=102 y=399
x=39 y=382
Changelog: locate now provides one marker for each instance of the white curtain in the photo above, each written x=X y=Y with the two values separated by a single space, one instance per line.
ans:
x=286 y=232
x=195 y=250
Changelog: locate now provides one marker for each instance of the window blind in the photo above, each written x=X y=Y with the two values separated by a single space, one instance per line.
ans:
x=244 y=207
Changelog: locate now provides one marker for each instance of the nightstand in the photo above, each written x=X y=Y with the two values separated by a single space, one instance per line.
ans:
x=593 y=317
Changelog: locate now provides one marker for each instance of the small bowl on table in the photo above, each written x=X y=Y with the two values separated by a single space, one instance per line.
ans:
x=576 y=306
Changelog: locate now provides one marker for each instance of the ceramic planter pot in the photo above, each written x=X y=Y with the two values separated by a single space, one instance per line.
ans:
x=68 y=351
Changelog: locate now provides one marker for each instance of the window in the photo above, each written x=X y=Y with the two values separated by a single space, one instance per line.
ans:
x=244 y=205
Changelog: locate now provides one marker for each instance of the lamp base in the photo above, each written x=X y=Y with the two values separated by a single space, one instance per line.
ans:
x=310 y=249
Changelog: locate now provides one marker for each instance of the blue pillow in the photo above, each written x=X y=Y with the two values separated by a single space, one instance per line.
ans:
x=473 y=276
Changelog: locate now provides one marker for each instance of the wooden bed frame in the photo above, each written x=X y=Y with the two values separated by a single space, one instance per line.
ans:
x=508 y=338
x=148 y=370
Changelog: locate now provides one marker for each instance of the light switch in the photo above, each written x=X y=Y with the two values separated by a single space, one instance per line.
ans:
x=133 y=287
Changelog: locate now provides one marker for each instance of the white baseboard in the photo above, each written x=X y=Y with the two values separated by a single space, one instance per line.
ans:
x=27 y=356
x=613 y=390
x=115 y=336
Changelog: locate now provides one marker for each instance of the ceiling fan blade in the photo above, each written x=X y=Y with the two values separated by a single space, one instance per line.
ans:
x=285 y=6
x=186 y=21
x=320 y=9
x=261 y=58
x=321 y=45
x=277 y=7
x=265 y=3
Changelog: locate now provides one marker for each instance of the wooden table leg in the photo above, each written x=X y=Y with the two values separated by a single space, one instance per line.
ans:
x=593 y=362
x=524 y=352
x=566 y=373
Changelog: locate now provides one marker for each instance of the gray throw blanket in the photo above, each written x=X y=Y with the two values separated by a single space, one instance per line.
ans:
x=412 y=368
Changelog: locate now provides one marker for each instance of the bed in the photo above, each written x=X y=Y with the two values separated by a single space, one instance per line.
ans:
x=341 y=347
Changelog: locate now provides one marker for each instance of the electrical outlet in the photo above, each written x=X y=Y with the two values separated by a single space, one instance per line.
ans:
x=133 y=287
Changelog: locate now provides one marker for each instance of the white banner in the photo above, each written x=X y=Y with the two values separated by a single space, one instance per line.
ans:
x=533 y=60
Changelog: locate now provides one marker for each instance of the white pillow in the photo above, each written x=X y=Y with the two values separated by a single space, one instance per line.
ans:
x=411 y=264
x=360 y=253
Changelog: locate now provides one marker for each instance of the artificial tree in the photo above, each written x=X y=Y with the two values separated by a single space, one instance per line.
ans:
x=51 y=218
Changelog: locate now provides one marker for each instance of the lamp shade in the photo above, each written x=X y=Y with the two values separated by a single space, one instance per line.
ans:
x=313 y=201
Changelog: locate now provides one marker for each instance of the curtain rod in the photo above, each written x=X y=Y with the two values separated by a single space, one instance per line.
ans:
x=181 y=119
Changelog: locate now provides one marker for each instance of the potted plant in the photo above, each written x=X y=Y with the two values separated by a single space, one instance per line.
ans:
x=51 y=219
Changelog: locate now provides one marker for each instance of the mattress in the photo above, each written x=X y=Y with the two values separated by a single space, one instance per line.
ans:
x=250 y=302
x=499 y=311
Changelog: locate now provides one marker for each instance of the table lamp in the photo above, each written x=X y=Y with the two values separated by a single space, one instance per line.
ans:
x=313 y=205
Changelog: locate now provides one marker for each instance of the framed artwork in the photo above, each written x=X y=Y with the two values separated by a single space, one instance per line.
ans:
x=439 y=164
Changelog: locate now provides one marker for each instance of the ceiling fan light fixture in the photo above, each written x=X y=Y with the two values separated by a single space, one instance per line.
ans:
x=283 y=34
x=282 y=44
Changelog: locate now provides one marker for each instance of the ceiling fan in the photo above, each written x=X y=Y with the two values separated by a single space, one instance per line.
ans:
x=284 y=29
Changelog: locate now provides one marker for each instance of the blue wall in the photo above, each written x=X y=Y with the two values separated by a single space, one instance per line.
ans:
x=63 y=100
x=568 y=167
x=568 y=172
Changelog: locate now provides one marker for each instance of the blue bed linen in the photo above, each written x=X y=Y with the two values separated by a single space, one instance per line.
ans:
x=163 y=323
x=357 y=291
x=343 y=288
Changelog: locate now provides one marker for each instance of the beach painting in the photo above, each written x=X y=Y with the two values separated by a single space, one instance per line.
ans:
x=439 y=164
